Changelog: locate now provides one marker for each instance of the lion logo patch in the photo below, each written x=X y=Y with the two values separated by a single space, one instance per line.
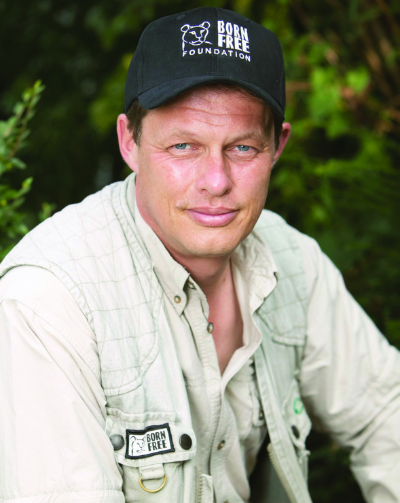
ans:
x=136 y=445
x=195 y=35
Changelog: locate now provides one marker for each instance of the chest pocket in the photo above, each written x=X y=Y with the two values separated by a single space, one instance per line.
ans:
x=155 y=455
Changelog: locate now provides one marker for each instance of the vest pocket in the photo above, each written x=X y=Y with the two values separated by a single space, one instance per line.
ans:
x=155 y=452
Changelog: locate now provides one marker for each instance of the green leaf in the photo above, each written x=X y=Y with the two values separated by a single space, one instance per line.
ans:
x=358 y=79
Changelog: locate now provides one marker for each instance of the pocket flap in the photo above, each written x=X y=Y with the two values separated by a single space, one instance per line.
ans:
x=293 y=337
x=285 y=324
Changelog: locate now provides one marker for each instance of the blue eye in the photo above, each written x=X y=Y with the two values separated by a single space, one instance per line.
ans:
x=181 y=146
x=243 y=148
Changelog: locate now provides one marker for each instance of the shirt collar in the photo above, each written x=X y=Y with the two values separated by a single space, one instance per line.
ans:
x=171 y=275
x=256 y=263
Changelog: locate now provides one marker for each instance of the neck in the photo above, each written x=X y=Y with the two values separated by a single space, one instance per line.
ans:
x=208 y=272
x=215 y=278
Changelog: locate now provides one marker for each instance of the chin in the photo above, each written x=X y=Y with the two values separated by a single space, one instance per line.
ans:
x=211 y=249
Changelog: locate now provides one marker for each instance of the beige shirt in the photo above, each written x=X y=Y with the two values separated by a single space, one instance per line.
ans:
x=50 y=381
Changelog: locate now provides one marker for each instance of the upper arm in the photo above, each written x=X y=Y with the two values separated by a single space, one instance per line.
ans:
x=53 y=406
x=350 y=375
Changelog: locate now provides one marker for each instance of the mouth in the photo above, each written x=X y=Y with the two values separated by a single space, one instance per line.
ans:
x=212 y=217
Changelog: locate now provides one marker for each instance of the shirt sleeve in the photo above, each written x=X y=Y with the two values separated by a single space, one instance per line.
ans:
x=350 y=379
x=53 y=441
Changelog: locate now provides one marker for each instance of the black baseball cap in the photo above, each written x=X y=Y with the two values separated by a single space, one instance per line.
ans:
x=207 y=44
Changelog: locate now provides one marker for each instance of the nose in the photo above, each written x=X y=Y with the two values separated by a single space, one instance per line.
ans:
x=214 y=175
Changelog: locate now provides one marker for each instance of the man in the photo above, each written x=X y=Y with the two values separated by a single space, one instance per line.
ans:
x=163 y=336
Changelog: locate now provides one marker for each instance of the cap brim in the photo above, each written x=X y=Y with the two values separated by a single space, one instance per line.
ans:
x=159 y=95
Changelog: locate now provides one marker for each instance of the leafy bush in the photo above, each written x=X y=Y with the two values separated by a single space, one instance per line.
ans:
x=13 y=134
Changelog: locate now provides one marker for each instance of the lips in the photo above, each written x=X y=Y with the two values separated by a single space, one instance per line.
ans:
x=212 y=217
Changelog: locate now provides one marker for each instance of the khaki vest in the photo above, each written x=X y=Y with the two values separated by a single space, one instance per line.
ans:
x=95 y=250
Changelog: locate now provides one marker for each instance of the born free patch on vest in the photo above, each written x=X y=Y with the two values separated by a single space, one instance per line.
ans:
x=155 y=439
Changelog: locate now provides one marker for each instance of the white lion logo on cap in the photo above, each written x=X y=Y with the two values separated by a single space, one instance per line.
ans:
x=195 y=35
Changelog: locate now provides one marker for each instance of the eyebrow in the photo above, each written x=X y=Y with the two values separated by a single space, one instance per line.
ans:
x=252 y=135
x=182 y=132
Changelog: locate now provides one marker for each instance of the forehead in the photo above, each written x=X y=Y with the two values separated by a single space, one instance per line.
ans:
x=218 y=103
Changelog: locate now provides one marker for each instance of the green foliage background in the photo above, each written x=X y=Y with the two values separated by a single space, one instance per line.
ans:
x=338 y=179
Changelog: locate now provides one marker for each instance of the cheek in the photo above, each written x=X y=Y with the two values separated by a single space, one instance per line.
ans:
x=254 y=185
x=171 y=179
x=162 y=186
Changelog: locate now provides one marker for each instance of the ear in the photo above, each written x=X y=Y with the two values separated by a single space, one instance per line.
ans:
x=206 y=24
x=127 y=146
x=185 y=28
x=284 y=137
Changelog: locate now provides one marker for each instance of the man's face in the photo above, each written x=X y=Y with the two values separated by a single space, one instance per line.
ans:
x=203 y=168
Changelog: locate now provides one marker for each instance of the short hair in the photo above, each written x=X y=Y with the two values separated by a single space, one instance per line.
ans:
x=136 y=113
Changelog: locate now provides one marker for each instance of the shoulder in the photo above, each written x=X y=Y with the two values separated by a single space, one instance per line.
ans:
x=69 y=242
x=278 y=234
x=34 y=287
x=36 y=298
x=269 y=219
x=72 y=228
x=272 y=228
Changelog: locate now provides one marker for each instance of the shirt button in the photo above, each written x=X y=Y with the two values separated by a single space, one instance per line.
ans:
x=185 y=441
x=261 y=414
x=117 y=441
x=177 y=299
x=191 y=285
x=221 y=444
x=210 y=328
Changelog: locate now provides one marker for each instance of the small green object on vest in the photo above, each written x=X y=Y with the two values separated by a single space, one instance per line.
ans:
x=298 y=406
